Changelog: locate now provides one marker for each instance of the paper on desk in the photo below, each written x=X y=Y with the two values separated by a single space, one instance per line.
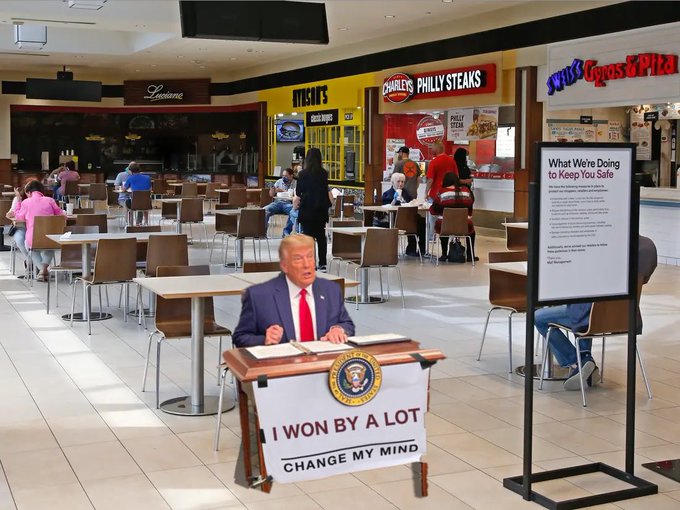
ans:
x=65 y=235
x=274 y=351
x=380 y=338
x=319 y=347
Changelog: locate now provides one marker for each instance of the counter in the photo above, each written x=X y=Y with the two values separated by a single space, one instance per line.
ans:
x=660 y=221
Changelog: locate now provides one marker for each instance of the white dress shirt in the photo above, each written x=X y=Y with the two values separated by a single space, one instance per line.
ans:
x=294 y=292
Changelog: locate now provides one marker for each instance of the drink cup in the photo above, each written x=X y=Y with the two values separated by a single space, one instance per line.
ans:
x=69 y=208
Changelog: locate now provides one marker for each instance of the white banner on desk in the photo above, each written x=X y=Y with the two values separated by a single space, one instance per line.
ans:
x=309 y=435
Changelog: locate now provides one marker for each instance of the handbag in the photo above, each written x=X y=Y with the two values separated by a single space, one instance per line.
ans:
x=12 y=230
x=457 y=252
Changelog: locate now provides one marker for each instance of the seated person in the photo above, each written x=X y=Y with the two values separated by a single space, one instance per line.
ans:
x=577 y=317
x=279 y=310
x=67 y=174
x=280 y=205
x=19 y=236
x=396 y=195
x=136 y=182
x=120 y=180
x=453 y=194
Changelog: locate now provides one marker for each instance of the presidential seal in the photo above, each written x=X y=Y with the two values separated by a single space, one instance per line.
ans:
x=354 y=378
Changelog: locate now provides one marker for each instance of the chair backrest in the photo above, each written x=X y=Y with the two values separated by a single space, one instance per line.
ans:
x=507 y=289
x=47 y=225
x=346 y=246
x=5 y=206
x=611 y=317
x=159 y=187
x=83 y=210
x=142 y=247
x=168 y=210
x=454 y=222
x=116 y=260
x=93 y=219
x=71 y=188
x=211 y=190
x=175 y=314
x=381 y=247
x=260 y=267
x=98 y=191
x=341 y=283
x=251 y=223
x=507 y=256
x=141 y=201
x=265 y=199
x=407 y=220
x=515 y=219
x=226 y=223
x=72 y=254
x=347 y=223
x=192 y=210
x=189 y=190
x=337 y=207
x=166 y=250
x=237 y=197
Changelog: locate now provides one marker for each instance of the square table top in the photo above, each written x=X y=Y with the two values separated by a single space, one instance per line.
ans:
x=228 y=212
x=141 y=237
x=265 y=276
x=354 y=231
x=226 y=190
x=391 y=208
x=510 y=267
x=178 y=287
x=170 y=200
x=517 y=224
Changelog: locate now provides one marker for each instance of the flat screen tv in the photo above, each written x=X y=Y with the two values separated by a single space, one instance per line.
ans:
x=290 y=131
x=64 y=90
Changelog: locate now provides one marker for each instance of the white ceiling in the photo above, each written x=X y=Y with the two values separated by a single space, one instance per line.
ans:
x=142 y=38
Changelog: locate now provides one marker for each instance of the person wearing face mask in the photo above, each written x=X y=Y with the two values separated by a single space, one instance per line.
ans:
x=281 y=205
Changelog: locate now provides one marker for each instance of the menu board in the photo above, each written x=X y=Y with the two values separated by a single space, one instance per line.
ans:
x=584 y=232
x=391 y=147
x=614 y=131
x=572 y=132
x=472 y=124
x=641 y=133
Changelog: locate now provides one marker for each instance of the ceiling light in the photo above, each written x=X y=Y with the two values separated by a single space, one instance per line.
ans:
x=137 y=70
x=87 y=5
x=232 y=58
x=201 y=67
x=279 y=114
x=447 y=1
x=180 y=56
x=30 y=37
x=390 y=16
x=154 y=65
x=294 y=113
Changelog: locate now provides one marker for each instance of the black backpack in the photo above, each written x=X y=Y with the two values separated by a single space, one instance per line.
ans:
x=456 y=252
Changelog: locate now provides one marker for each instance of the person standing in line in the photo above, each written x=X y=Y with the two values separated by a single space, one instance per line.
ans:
x=120 y=180
x=464 y=174
x=313 y=200
x=410 y=169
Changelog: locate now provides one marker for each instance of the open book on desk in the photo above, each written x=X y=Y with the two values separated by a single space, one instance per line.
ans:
x=295 y=349
x=381 y=338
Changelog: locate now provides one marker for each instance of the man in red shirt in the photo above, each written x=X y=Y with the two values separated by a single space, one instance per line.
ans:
x=440 y=165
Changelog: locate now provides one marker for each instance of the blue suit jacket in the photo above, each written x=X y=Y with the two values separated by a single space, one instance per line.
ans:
x=268 y=303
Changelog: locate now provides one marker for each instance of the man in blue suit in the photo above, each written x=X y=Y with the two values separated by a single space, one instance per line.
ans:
x=294 y=305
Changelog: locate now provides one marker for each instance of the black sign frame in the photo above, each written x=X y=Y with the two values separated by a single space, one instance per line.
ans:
x=322 y=118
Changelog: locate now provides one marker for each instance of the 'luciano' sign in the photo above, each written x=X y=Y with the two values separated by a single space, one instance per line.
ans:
x=167 y=92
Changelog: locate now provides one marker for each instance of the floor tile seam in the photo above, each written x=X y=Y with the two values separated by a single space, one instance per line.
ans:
x=622 y=424
x=125 y=476
x=383 y=498
x=9 y=487
x=210 y=471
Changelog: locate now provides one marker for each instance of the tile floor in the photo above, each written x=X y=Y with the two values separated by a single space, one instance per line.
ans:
x=77 y=432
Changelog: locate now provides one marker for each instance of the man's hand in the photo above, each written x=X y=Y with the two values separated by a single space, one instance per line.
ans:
x=273 y=335
x=296 y=202
x=335 y=335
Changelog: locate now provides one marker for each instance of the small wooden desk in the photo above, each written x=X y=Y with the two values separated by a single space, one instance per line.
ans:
x=516 y=235
x=247 y=369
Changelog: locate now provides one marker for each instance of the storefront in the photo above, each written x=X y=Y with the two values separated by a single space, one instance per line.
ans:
x=624 y=87
x=327 y=115
x=466 y=102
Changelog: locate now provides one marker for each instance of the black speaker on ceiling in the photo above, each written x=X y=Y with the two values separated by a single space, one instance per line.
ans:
x=270 y=21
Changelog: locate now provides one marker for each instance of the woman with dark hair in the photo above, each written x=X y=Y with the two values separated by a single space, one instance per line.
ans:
x=69 y=173
x=314 y=201
x=37 y=204
x=460 y=157
x=453 y=194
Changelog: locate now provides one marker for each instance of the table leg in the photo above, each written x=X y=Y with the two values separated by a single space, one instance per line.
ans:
x=245 y=431
x=179 y=213
x=364 y=297
x=391 y=215
x=86 y=261
x=196 y=404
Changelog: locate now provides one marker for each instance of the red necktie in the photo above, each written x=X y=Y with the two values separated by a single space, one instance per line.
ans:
x=306 y=326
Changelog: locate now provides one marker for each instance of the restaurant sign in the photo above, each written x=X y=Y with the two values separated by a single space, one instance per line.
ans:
x=167 y=92
x=402 y=87
x=322 y=118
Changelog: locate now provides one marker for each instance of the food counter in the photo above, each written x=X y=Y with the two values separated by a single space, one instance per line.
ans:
x=660 y=221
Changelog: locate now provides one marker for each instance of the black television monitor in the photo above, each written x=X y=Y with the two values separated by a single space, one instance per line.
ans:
x=64 y=90
x=290 y=131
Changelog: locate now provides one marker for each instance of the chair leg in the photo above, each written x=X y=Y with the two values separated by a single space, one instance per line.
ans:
x=401 y=286
x=220 y=381
x=49 y=277
x=158 y=371
x=580 y=368
x=219 y=356
x=602 y=360
x=106 y=293
x=126 y=305
x=486 y=325
x=356 y=269
x=212 y=246
x=146 y=364
x=88 y=298
x=644 y=372
x=101 y=310
x=205 y=232
x=472 y=250
x=510 y=342
x=381 y=283
x=545 y=359
x=73 y=303
x=269 y=252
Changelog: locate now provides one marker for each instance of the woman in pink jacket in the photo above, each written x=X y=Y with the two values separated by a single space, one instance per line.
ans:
x=37 y=204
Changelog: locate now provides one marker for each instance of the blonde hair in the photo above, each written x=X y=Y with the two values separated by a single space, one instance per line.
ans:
x=293 y=241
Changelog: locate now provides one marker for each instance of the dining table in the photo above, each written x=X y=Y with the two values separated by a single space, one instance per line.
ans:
x=391 y=210
x=86 y=241
x=516 y=235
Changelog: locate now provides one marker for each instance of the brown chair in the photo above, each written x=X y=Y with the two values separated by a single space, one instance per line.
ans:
x=235 y=199
x=407 y=220
x=159 y=188
x=454 y=224
x=98 y=194
x=250 y=226
x=189 y=190
x=224 y=225
x=507 y=291
x=83 y=210
x=115 y=263
x=260 y=267
x=265 y=198
x=191 y=213
x=166 y=250
x=211 y=195
x=42 y=227
x=98 y=220
x=607 y=318
x=173 y=320
x=168 y=211
x=140 y=203
x=380 y=251
x=70 y=262
x=343 y=207
x=345 y=248
x=72 y=191
x=142 y=247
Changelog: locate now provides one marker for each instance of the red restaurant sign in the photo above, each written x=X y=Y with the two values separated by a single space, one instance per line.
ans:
x=401 y=87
